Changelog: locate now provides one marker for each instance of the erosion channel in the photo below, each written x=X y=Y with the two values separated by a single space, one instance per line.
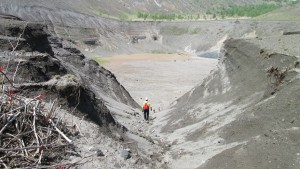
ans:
x=225 y=92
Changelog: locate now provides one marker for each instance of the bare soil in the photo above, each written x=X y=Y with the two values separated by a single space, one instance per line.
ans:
x=160 y=77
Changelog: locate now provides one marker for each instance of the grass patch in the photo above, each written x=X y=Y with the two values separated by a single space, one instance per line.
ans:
x=168 y=16
x=158 y=16
x=244 y=10
x=99 y=60
x=281 y=16
x=160 y=52
x=292 y=12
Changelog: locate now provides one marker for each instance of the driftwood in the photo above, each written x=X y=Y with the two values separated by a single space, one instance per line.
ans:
x=28 y=135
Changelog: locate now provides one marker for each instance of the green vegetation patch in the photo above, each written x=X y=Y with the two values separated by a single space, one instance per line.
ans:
x=160 y=52
x=291 y=12
x=99 y=60
x=281 y=16
x=245 y=10
x=156 y=16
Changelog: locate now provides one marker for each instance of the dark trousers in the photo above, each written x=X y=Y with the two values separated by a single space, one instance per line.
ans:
x=146 y=115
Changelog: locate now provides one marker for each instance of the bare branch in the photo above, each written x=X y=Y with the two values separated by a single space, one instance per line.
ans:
x=11 y=83
x=15 y=47
x=33 y=147
x=7 y=124
x=60 y=132
x=13 y=80
x=34 y=129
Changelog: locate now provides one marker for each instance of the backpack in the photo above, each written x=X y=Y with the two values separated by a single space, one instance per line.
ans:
x=146 y=106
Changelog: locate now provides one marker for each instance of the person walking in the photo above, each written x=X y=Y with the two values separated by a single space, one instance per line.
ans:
x=146 y=108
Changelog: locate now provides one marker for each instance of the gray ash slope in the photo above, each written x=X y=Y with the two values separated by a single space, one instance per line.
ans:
x=82 y=88
x=109 y=37
x=96 y=32
x=244 y=115
x=119 y=8
x=56 y=66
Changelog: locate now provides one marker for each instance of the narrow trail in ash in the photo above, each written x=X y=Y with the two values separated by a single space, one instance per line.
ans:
x=160 y=77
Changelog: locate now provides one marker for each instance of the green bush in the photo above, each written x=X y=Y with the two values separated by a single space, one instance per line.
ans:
x=159 y=16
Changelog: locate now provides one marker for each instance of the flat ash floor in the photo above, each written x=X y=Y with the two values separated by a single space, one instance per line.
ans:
x=160 y=77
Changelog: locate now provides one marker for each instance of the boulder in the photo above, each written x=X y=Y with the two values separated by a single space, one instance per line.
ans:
x=125 y=154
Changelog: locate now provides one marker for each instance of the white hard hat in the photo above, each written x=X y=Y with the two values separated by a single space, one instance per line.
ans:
x=146 y=99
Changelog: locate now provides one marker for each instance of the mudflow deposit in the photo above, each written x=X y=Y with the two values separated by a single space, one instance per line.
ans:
x=225 y=92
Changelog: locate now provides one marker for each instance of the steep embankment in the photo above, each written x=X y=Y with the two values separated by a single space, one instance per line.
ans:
x=98 y=36
x=40 y=64
x=56 y=66
x=244 y=115
x=126 y=8
x=111 y=36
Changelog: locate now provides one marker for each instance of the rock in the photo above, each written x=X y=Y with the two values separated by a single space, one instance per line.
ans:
x=76 y=133
x=139 y=161
x=93 y=149
x=97 y=150
x=127 y=149
x=125 y=154
x=99 y=153
x=297 y=64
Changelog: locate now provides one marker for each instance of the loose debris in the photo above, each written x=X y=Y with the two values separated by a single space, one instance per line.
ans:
x=30 y=134
x=278 y=75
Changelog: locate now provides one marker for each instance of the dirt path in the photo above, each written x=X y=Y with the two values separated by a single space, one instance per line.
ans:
x=160 y=77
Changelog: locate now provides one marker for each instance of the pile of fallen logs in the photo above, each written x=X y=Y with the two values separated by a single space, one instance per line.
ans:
x=30 y=133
